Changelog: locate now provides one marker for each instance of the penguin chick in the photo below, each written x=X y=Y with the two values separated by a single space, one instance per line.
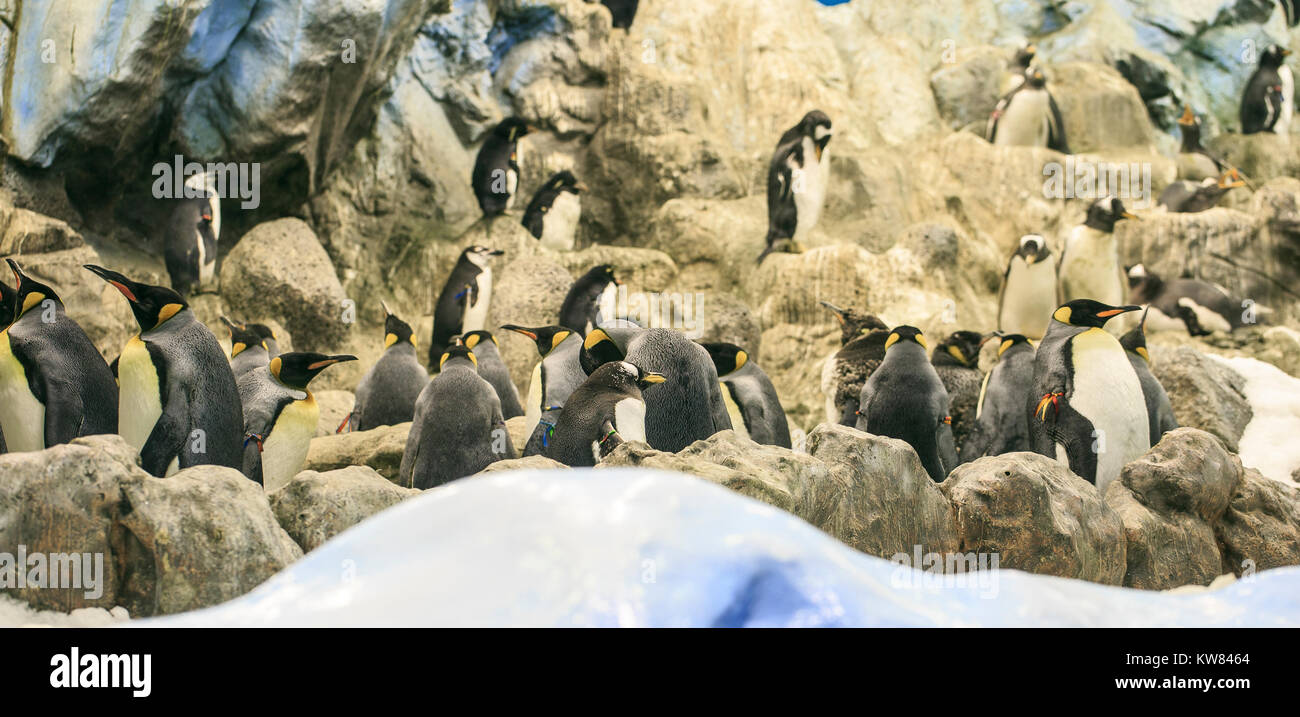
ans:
x=593 y=294
x=1160 y=412
x=280 y=415
x=1191 y=197
x=605 y=411
x=1090 y=267
x=465 y=299
x=497 y=167
x=1192 y=304
x=178 y=404
x=1269 y=99
x=554 y=379
x=552 y=215
x=751 y=399
x=956 y=360
x=458 y=429
x=492 y=368
x=1028 y=294
x=797 y=178
x=1001 y=422
x=247 y=349
x=862 y=338
x=905 y=399
x=387 y=393
x=54 y=384
x=1194 y=161
x=1027 y=116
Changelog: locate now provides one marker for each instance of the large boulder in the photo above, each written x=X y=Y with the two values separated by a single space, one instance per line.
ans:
x=1205 y=393
x=379 y=448
x=1208 y=245
x=966 y=89
x=314 y=506
x=1261 y=527
x=335 y=407
x=526 y=463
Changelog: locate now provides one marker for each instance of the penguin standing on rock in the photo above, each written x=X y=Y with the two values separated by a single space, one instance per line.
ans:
x=178 y=405
x=1194 y=162
x=1160 y=412
x=54 y=384
x=751 y=399
x=1027 y=116
x=862 y=339
x=554 y=378
x=1190 y=197
x=190 y=240
x=247 y=349
x=1192 y=304
x=606 y=411
x=1028 y=294
x=1001 y=421
x=387 y=393
x=797 y=178
x=496 y=169
x=465 y=299
x=592 y=292
x=1090 y=267
x=905 y=399
x=1269 y=99
x=552 y=215
x=280 y=415
x=492 y=368
x=956 y=360
x=1087 y=409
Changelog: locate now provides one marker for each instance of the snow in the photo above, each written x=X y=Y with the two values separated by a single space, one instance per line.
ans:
x=1270 y=442
x=16 y=613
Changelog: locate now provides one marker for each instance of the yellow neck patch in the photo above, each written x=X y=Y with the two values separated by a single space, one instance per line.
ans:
x=31 y=300
x=741 y=359
x=472 y=340
x=1062 y=314
x=1142 y=351
x=237 y=349
x=596 y=337
x=1005 y=345
x=893 y=339
x=275 y=367
x=957 y=354
x=167 y=312
x=389 y=340
x=558 y=338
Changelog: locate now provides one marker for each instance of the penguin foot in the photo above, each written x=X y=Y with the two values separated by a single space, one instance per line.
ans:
x=1048 y=399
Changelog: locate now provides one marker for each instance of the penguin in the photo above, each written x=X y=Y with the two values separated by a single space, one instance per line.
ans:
x=8 y=301
x=621 y=11
x=1269 y=99
x=280 y=415
x=1001 y=421
x=386 y=394
x=607 y=410
x=862 y=348
x=1027 y=116
x=905 y=399
x=465 y=299
x=797 y=178
x=1194 y=162
x=1160 y=412
x=178 y=404
x=554 y=378
x=1089 y=266
x=54 y=384
x=492 y=368
x=690 y=407
x=190 y=238
x=268 y=338
x=751 y=399
x=552 y=215
x=496 y=169
x=247 y=349
x=593 y=294
x=1028 y=295
x=1086 y=407
x=458 y=429
x=956 y=360
x=1187 y=197
x=1196 y=306
x=1014 y=75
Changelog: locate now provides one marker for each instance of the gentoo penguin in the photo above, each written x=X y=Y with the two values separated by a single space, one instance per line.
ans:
x=862 y=348
x=605 y=411
x=797 y=178
x=465 y=299
x=956 y=360
x=905 y=399
x=280 y=415
x=458 y=429
x=54 y=384
x=1187 y=197
x=1090 y=267
x=1014 y=75
x=1192 y=304
x=190 y=239
x=493 y=368
x=247 y=348
x=1001 y=421
x=1269 y=99
x=554 y=378
x=496 y=169
x=690 y=406
x=1086 y=407
x=1194 y=162
x=1160 y=412
x=387 y=393
x=552 y=215
x=750 y=397
x=592 y=292
x=178 y=404
x=1028 y=295
x=1027 y=116
x=622 y=12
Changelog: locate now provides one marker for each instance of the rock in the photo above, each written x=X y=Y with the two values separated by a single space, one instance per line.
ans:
x=1208 y=245
x=966 y=90
x=1037 y=516
x=1169 y=501
x=714 y=243
x=1261 y=156
x=335 y=406
x=314 y=507
x=719 y=317
x=1277 y=203
x=528 y=292
x=1261 y=527
x=516 y=427
x=1205 y=393
x=1100 y=109
x=379 y=448
x=279 y=270
x=528 y=462
x=26 y=232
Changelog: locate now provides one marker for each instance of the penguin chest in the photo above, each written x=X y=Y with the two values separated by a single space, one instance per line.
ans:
x=476 y=313
x=1025 y=121
x=533 y=409
x=606 y=306
x=733 y=411
x=1108 y=394
x=1283 y=125
x=1090 y=269
x=1028 y=298
x=560 y=226
x=285 y=450
x=629 y=419
x=22 y=416
x=808 y=185
x=1194 y=166
x=140 y=396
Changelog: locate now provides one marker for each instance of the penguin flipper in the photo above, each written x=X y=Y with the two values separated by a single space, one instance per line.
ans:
x=63 y=412
x=609 y=438
x=253 y=458
x=1056 y=129
x=167 y=439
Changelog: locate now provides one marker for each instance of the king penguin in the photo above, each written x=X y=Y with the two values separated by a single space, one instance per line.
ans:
x=1001 y=421
x=552 y=215
x=1089 y=266
x=1269 y=99
x=387 y=393
x=269 y=340
x=1086 y=407
x=8 y=301
x=751 y=399
x=905 y=399
x=497 y=167
x=54 y=384
x=1197 y=306
x=493 y=369
x=797 y=178
x=1028 y=295
x=956 y=360
x=247 y=348
x=554 y=378
x=178 y=405
x=594 y=294
x=190 y=239
x=1187 y=197
x=605 y=411
x=1027 y=116
x=862 y=348
x=1194 y=162
x=465 y=299
x=1160 y=412
x=458 y=429
x=280 y=415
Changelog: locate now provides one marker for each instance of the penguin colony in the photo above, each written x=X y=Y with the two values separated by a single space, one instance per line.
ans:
x=1062 y=384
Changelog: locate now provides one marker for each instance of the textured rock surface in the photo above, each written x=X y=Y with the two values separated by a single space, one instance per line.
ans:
x=1205 y=394
x=379 y=448
x=1261 y=528
x=314 y=507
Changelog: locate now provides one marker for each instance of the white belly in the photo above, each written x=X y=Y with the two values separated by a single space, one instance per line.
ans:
x=1283 y=126
x=828 y=389
x=476 y=316
x=1028 y=299
x=560 y=226
x=1158 y=320
x=1209 y=319
x=809 y=185
x=533 y=409
x=22 y=417
x=1024 y=122
x=139 y=406
x=629 y=419
x=1090 y=268
x=285 y=450
x=733 y=410
x=1108 y=394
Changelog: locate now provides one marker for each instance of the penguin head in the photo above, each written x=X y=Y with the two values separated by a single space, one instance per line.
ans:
x=961 y=348
x=1135 y=340
x=1033 y=248
x=1143 y=285
x=598 y=349
x=1086 y=312
x=152 y=305
x=1105 y=212
x=511 y=129
x=626 y=377
x=8 y=302
x=816 y=125
x=547 y=338
x=1010 y=340
x=472 y=339
x=564 y=181
x=1273 y=56
x=852 y=323
x=396 y=331
x=726 y=357
x=600 y=275
x=1035 y=78
x=296 y=369
x=241 y=337
x=458 y=353
x=1025 y=55
x=906 y=335
x=1188 y=119
x=479 y=255
x=28 y=292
